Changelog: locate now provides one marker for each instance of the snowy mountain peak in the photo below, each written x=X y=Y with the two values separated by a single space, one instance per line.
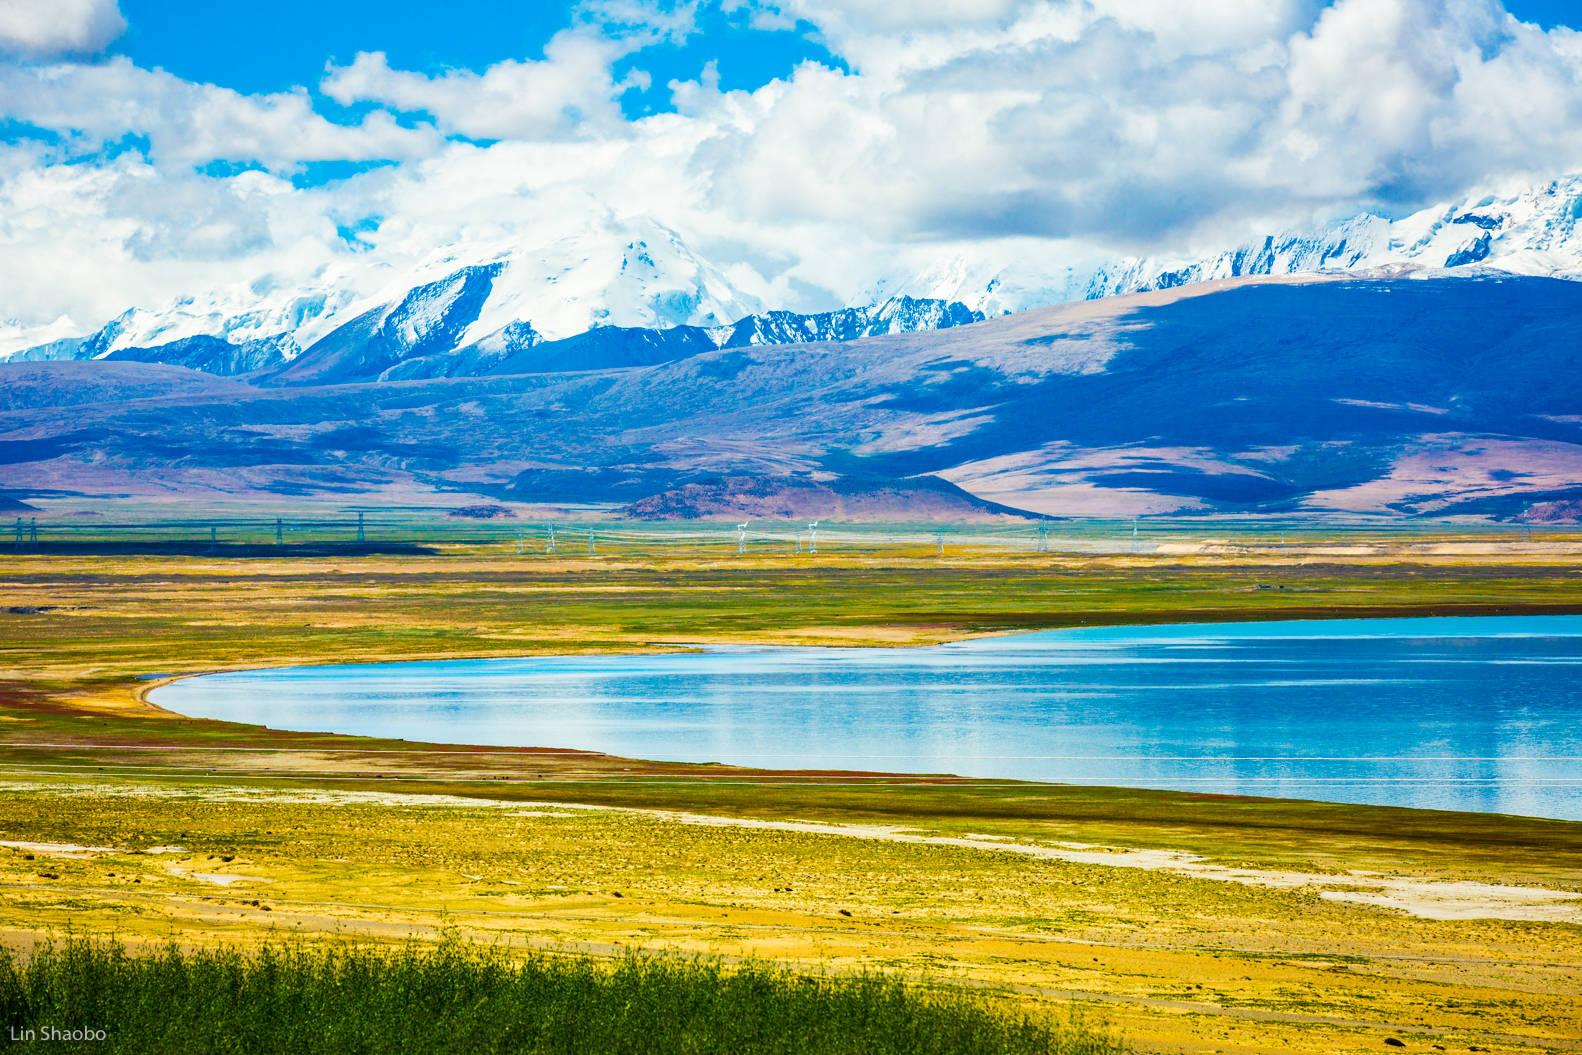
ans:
x=1531 y=233
x=474 y=303
x=1534 y=232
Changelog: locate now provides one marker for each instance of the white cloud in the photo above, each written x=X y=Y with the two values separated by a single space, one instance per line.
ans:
x=88 y=241
x=92 y=104
x=569 y=92
x=45 y=28
x=1053 y=130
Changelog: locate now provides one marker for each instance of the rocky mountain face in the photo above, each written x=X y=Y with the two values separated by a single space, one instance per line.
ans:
x=1402 y=396
x=518 y=349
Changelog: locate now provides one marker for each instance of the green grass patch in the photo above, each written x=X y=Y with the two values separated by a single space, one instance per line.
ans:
x=475 y=999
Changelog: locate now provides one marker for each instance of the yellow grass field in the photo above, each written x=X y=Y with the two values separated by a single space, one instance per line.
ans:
x=1191 y=923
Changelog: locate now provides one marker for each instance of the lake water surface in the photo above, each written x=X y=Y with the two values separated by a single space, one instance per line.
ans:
x=1477 y=714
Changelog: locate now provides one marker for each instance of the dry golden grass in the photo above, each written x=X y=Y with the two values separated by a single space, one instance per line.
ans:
x=1180 y=962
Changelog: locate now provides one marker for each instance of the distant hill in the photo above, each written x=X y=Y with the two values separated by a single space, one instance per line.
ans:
x=1410 y=396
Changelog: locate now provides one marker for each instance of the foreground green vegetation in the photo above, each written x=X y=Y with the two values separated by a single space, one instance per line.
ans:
x=281 y=999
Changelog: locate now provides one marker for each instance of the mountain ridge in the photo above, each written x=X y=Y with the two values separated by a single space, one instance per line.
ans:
x=596 y=287
x=1299 y=395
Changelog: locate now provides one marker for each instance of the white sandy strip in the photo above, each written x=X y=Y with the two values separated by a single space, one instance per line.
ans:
x=1425 y=898
x=59 y=849
x=216 y=878
x=73 y=850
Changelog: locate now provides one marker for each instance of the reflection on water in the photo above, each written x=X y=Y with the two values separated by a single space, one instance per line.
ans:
x=1468 y=714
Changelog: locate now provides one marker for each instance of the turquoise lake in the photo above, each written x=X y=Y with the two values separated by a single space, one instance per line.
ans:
x=1480 y=714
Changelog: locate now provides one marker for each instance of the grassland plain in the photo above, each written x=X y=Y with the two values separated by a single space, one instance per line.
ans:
x=123 y=819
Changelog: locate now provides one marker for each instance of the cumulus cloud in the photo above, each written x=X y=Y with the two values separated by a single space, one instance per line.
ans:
x=89 y=241
x=1137 y=121
x=1054 y=130
x=46 y=28
x=569 y=92
x=91 y=104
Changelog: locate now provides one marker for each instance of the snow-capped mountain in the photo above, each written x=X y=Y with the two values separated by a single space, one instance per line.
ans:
x=1442 y=396
x=1534 y=232
x=426 y=335
x=619 y=292
x=610 y=272
x=580 y=303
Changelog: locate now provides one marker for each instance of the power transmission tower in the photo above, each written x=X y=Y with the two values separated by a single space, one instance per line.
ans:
x=19 y=534
x=591 y=548
x=812 y=536
x=214 y=538
x=939 y=541
x=549 y=541
x=33 y=533
x=1043 y=537
x=741 y=537
x=362 y=536
x=519 y=542
x=280 y=531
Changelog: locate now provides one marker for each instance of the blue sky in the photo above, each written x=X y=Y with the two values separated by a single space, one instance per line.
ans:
x=257 y=47
x=1547 y=13
x=798 y=153
x=263 y=48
